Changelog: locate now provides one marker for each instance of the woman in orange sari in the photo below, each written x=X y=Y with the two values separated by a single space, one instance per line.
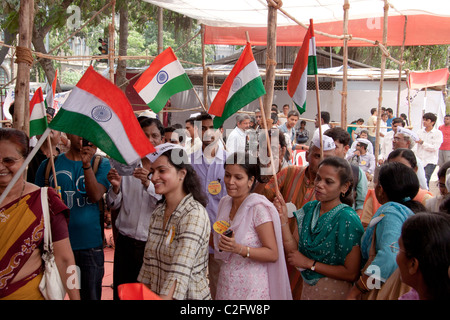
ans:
x=22 y=228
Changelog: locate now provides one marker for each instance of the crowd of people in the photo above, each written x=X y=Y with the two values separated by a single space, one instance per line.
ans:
x=232 y=215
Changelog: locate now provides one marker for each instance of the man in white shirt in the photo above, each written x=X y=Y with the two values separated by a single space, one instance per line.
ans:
x=386 y=145
x=323 y=122
x=237 y=139
x=430 y=139
x=193 y=142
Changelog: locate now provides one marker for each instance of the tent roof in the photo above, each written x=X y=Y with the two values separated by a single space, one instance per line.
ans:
x=226 y=21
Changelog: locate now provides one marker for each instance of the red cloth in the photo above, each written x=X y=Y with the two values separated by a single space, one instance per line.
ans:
x=446 y=134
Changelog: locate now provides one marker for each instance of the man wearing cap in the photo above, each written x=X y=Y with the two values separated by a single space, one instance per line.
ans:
x=405 y=138
x=296 y=185
x=208 y=162
x=363 y=159
x=430 y=139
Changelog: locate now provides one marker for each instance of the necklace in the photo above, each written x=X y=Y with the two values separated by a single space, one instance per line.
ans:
x=4 y=217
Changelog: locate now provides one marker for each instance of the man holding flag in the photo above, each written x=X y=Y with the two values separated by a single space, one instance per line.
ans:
x=100 y=112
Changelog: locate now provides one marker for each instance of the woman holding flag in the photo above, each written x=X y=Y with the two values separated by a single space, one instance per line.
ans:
x=21 y=227
x=176 y=254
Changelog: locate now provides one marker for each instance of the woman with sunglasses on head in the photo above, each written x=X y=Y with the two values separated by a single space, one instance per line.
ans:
x=176 y=253
x=396 y=187
x=22 y=227
x=325 y=243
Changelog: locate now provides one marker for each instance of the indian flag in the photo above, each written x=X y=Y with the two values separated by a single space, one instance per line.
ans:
x=161 y=80
x=99 y=111
x=51 y=92
x=242 y=86
x=38 y=116
x=305 y=64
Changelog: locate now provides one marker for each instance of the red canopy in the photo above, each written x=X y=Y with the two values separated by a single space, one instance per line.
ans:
x=421 y=30
x=424 y=79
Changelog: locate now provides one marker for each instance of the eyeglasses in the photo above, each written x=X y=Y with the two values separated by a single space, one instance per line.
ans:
x=8 y=162
x=394 y=247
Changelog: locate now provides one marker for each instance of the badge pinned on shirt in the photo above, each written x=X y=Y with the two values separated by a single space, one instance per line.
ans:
x=363 y=162
x=214 y=187
x=170 y=236
x=220 y=226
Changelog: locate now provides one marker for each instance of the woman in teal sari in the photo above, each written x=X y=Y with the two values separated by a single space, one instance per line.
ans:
x=325 y=244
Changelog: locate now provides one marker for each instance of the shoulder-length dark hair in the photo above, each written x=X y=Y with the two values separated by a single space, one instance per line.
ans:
x=426 y=237
x=400 y=183
x=191 y=183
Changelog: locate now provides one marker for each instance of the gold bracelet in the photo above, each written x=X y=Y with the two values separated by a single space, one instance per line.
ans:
x=362 y=282
x=248 y=252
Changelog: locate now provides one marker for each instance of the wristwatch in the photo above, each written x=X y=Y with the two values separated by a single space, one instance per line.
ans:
x=314 y=265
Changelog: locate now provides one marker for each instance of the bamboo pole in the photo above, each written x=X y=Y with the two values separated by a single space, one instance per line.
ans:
x=400 y=68
x=344 y=74
x=111 y=47
x=21 y=118
x=271 y=61
x=205 y=71
x=380 y=97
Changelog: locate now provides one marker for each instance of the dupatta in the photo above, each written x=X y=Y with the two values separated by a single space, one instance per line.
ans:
x=328 y=238
x=278 y=277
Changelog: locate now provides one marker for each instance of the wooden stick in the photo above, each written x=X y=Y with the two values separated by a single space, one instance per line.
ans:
x=201 y=102
x=269 y=149
x=319 y=115
x=380 y=97
x=344 y=71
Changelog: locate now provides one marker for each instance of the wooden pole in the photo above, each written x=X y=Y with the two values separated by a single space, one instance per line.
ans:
x=319 y=115
x=408 y=95
x=111 y=49
x=160 y=42
x=271 y=61
x=344 y=74
x=21 y=119
x=269 y=149
x=400 y=68
x=383 y=65
x=205 y=71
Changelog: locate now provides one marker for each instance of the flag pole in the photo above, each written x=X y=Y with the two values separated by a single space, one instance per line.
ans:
x=196 y=94
x=269 y=149
x=24 y=165
x=266 y=130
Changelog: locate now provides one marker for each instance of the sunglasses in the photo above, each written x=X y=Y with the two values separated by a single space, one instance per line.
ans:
x=8 y=162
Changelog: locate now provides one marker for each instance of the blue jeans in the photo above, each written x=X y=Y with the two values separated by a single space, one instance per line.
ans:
x=91 y=263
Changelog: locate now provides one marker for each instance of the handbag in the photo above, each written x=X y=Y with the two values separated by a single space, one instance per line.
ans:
x=51 y=285
x=393 y=288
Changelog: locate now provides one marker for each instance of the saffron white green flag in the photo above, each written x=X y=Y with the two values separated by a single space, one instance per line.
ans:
x=38 y=116
x=165 y=77
x=99 y=111
x=305 y=64
x=242 y=86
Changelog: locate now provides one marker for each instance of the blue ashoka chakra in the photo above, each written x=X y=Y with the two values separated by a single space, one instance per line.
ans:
x=101 y=113
x=237 y=84
x=162 y=77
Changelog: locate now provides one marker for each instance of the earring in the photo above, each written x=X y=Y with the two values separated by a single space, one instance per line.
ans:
x=342 y=194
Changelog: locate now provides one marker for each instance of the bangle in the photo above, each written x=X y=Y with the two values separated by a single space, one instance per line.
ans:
x=359 y=288
x=87 y=167
x=248 y=253
x=362 y=282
